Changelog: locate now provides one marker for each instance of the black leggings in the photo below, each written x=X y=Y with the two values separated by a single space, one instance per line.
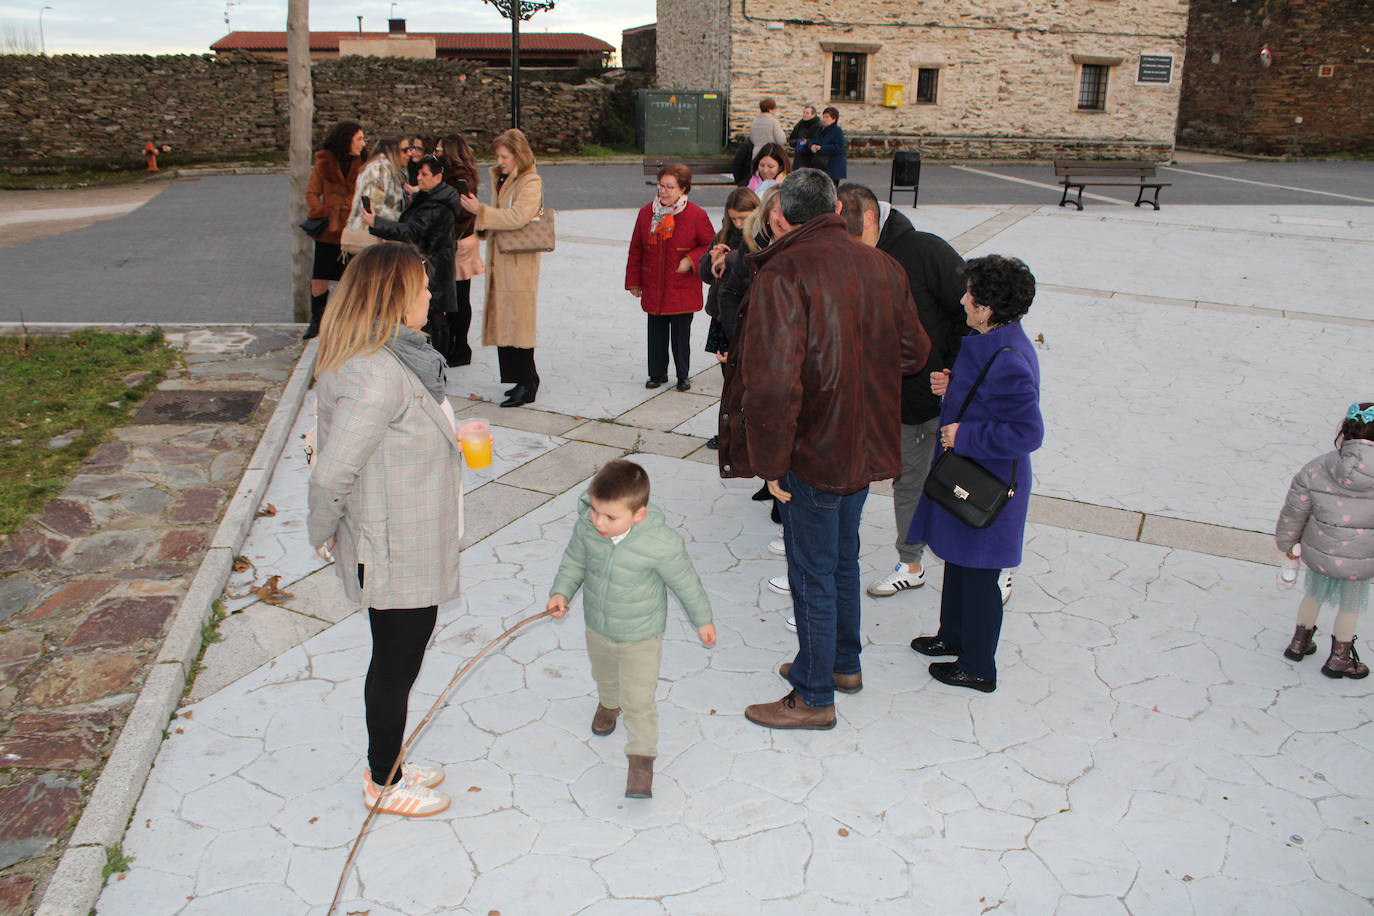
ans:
x=399 y=638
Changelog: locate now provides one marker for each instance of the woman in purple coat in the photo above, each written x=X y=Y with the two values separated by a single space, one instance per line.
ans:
x=999 y=430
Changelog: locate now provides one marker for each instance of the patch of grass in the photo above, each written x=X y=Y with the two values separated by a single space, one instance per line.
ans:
x=116 y=861
x=60 y=174
x=53 y=384
x=594 y=150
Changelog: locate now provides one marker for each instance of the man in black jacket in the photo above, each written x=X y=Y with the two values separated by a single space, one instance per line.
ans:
x=935 y=273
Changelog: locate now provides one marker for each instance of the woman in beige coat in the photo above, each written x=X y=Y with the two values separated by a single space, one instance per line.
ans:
x=384 y=495
x=512 y=279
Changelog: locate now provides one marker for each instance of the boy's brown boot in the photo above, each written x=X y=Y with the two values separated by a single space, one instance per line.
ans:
x=603 y=723
x=639 y=782
x=1301 y=644
x=1344 y=661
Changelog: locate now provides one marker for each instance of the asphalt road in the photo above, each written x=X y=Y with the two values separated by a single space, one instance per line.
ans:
x=216 y=249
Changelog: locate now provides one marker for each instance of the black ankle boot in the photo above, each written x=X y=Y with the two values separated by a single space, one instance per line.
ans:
x=521 y=395
x=317 y=304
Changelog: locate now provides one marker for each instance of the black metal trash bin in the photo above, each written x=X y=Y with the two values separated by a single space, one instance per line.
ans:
x=906 y=173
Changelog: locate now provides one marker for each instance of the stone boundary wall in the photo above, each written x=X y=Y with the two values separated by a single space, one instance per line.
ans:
x=1232 y=101
x=93 y=105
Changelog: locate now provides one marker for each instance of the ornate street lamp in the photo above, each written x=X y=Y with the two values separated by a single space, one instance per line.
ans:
x=515 y=11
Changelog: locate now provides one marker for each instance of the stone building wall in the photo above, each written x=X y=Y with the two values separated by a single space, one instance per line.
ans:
x=92 y=106
x=1231 y=101
x=639 y=49
x=694 y=44
x=1008 y=79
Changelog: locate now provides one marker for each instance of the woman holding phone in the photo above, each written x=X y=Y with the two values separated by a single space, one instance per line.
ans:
x=460 y=171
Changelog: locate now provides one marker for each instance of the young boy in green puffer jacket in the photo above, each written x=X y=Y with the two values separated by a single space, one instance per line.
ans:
x=625 y=554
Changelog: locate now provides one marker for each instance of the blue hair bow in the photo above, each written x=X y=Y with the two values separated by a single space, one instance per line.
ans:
x=1364 y=416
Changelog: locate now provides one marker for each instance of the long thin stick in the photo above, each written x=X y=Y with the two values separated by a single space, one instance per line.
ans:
x=400 y=757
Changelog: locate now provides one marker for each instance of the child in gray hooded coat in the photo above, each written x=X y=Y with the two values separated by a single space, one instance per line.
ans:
x=1330 y=512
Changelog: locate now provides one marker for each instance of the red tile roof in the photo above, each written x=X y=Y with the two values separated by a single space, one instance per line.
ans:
x=443 y=41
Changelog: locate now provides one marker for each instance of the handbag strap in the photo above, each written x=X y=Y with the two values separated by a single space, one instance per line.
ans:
x=968 y=399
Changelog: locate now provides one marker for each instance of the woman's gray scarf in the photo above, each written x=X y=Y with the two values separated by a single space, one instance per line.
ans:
x=413 y=350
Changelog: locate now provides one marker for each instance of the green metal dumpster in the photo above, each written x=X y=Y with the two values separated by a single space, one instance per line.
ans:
x=680 y=123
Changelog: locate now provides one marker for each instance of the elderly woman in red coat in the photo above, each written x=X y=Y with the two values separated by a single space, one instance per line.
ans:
x=671 y=236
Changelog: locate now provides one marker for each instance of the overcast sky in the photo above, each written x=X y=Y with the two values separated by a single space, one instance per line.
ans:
x=191 y=26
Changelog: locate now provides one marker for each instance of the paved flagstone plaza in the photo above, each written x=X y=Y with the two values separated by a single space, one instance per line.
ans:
x=1148 y=749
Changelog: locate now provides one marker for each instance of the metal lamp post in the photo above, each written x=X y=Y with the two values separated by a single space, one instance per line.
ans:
x=515 y=11
x=42 y=43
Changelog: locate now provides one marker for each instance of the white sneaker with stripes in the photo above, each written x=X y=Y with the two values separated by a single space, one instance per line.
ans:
x=405 y=800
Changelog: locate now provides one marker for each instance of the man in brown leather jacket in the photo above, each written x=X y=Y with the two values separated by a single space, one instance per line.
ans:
x=814 y=408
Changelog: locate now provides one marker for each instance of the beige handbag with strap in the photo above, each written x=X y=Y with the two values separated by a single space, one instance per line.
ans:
x=538 y=235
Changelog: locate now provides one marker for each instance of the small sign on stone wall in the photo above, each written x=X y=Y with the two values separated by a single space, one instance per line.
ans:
x=1326 y=71
x=1155 y=68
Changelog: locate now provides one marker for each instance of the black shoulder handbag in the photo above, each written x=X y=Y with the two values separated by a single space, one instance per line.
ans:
x=972 y=494
x=314 y=226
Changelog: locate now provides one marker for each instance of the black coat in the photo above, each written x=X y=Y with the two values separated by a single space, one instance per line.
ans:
x=935 y=273
x=805 y=129
x=428 y=224
x=733 y=238
x=733 y=285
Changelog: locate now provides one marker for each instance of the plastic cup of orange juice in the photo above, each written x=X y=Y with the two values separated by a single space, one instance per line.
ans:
x=475 y=438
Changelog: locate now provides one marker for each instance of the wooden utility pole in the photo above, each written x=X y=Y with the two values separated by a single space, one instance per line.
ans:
x=300 y=95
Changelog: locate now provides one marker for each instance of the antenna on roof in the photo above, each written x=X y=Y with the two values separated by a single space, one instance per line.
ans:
x=229 y=6
x=360 y=25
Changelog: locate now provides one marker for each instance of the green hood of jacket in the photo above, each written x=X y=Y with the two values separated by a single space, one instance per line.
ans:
x=625 y=586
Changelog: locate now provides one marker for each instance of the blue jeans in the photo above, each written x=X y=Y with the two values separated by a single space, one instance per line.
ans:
x=822 y=534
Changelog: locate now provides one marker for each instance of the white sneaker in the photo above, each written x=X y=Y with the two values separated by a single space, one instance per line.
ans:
x=780 y=585
x=1004 y=583
x=791 y=624
x=407 y=801
x=895 y=581
x=778 y=547
x=414 y=774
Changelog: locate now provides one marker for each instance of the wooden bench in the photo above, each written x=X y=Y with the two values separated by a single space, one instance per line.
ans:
x=1124 y=174
x=706 y=170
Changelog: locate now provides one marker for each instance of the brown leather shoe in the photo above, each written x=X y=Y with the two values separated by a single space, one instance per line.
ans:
x=844 y=683
x=639 y=782
x=1301 y=645
x=1344 y=661
x=603 y=723
x=791 y=712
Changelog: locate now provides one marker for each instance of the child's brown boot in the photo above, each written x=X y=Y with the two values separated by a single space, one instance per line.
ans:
x=639 y=783
x=1344 y=661
x=1301 y=645
x=603 y=723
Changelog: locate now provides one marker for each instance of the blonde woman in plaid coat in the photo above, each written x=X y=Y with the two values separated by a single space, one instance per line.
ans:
x=384 y=494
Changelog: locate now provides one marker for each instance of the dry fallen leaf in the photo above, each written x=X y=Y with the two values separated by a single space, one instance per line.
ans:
x=180 y=730
x=1154 y=709
x=359 y=913
x=474 y=788
x=1040 y=338
x=493 y=913
x=475 y=397
x=713 y=712
x=242 y=563
x=269 y=593
x=267 y=511
x=188 y=714
x=842 y=832
x=314 y=820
